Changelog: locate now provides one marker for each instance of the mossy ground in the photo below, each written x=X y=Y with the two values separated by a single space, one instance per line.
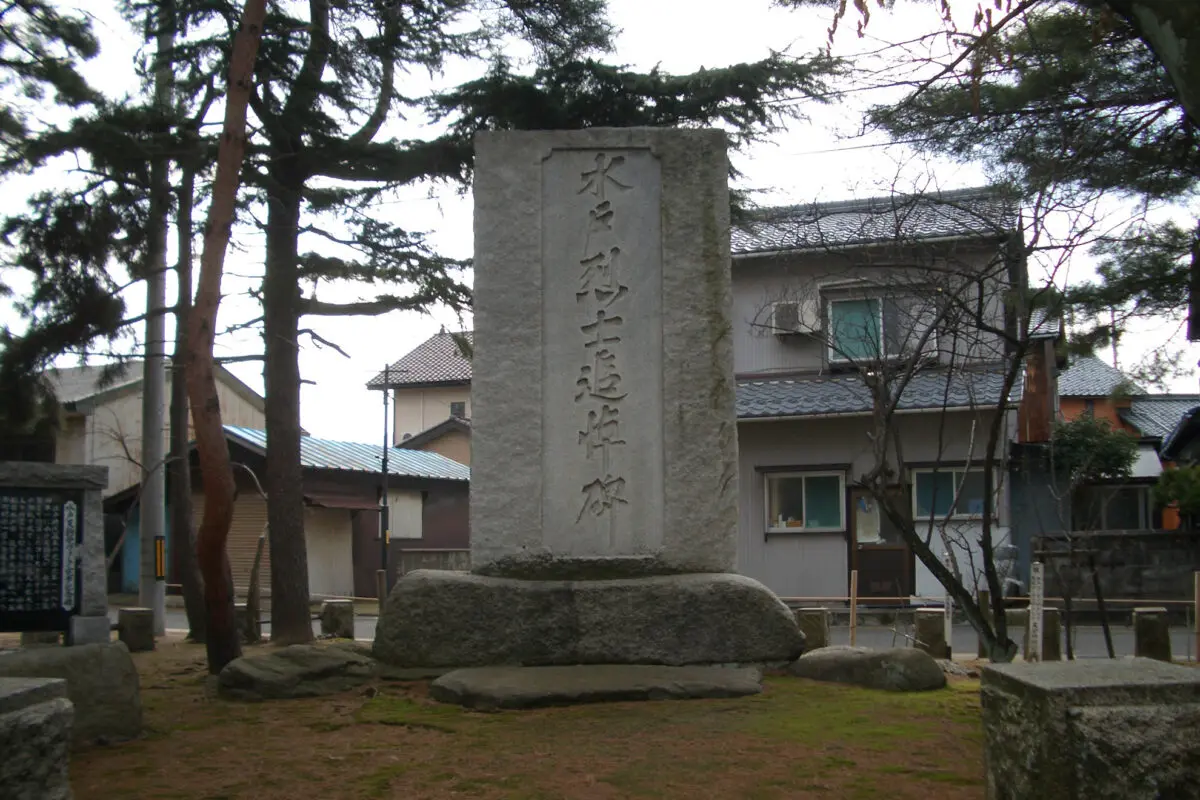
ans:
x=798 y=739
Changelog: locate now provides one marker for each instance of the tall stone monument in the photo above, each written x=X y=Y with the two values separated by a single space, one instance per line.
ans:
x=604 y=464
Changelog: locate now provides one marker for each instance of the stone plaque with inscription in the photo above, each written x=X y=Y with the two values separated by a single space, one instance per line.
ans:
x=604 y=448
x=603 y=432
x=52 y=566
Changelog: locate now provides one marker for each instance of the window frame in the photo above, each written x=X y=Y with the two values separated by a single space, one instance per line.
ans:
x=1146 y=507
x=833 y=354
x=952 y=470
x=462 y=403
x=776 y=474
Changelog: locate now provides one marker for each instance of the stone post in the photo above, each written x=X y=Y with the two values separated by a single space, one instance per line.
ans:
x=984 y=598
x=814 y=624
x=1151 y=633
x=135 y=627
x=931 y=632
x=1051 y=636
x=337 y=619
x=250 y=628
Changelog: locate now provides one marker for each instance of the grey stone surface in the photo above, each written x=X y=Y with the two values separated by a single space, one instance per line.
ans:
x=898 y=669
x=1051 y=635
x=814 y=624
x=89 y=630
x=18 y=693
x=538 y=219
x=135 y=627
x=337 y=618
x=35 y=741
x=434 y=618
x=489 y=688
x=102 y=683
x=1095 y=729
x=299 y=670
x=1151 y=633
x=930 y=630
x=41 y=639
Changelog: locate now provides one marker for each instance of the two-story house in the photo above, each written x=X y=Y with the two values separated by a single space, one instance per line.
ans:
x=431 y=389
x=836 y=306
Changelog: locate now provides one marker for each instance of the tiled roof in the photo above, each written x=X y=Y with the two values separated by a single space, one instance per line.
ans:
x=436 y=360
x=967 y=213
x=72 y=384
x=1158 y=415
x=847 y=394
x=1043 y=325
x=1088 y=376
x=357 y=457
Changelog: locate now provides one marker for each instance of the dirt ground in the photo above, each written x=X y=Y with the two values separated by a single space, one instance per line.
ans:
x=798 y=739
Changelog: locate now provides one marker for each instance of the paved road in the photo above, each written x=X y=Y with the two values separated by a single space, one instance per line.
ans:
x=1089 y=640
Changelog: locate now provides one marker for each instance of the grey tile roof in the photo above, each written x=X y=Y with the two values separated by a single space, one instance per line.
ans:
x=436 y=360
x=847 y=394
x=1158 y=415
x=1043 y=325
x=72 y=384
x=1088 y=376
x=967 y=213
x=358 y=457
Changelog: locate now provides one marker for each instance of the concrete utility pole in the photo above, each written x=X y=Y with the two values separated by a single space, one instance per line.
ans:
x=153 y=510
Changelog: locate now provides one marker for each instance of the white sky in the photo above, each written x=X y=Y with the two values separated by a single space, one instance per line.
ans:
x=808 y=162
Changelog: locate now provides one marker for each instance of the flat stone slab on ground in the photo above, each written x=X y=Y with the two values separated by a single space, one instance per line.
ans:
x=102 y=683
x=35 y=739
x=1094 y=729
x=534 y=687
x=898 y=669
x=436 y=618
x=301 y=670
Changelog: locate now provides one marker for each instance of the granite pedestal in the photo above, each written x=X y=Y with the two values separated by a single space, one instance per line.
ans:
x=1126 y=729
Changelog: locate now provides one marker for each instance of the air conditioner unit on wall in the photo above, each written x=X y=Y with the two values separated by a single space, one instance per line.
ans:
x=785 y=318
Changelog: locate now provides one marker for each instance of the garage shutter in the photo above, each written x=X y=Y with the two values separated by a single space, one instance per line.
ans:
x=249 y=522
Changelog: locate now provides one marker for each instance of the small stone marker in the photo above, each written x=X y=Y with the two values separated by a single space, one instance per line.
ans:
x=35 y=738
x=1051 y=636
x=251 y=630
x=931 y=632
x=604 y=466
x=337 y=618
x=1151 y=633
x=1096 y=729
x=135 y=627
x=490 y=688
x=814 y=624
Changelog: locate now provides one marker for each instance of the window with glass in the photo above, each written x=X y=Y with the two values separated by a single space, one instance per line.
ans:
x=458 y=409
x=867 y=329
x=948 y=492
x=805 y=501
x=1114 y=508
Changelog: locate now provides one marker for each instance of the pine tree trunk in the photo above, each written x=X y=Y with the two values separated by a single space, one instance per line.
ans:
x=291 y=618
x=223 y=643
x=183 y=537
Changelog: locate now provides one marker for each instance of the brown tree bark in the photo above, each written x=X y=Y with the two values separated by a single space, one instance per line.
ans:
x=291 y=618
x=183 y=536
x=223 y=644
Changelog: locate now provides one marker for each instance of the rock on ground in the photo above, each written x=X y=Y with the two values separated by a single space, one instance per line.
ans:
x=36 y=745
x=898 y=669
x=958 y=670
x=102 y=683
x=489 y=688
x=301 y=670
x=438 y=618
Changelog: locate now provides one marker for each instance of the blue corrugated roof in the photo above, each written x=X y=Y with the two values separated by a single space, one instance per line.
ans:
x=358 y=457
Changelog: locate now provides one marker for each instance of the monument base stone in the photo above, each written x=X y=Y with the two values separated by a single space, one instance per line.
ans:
x=35 y=738
x=436 y=618
x=1096 y=729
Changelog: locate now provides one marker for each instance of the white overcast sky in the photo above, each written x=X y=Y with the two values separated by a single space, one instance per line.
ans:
x=815 y=160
